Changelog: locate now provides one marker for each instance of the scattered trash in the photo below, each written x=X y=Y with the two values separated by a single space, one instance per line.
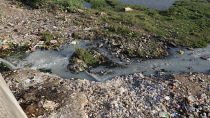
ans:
x=163 y=115
x=192 y=108
x=175 y=115
x=191 y=99
x=167 y=97
x=50 y=105
x=5 y=46
x=53 y=41
x=180 y=52
x=88 y=28
x=73 y=42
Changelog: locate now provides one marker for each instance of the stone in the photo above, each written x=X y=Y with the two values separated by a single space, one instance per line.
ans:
x=172 y=44
x=53 y=41
x=167 y=97
x=180 y=52
x=50 y=105
x=205 y=58
x=163 y=115
x=9 y=107
x=10 y=24
x=127 y=9
x=100 y=45
x=189 y=48
x=191 y=99
x=101 y=13
x=73 y=42
x=80 y=10
x=41 y=43
x=77 y=67
x=87 y=28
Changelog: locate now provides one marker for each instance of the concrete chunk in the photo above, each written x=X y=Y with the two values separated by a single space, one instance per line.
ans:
x=9 y=107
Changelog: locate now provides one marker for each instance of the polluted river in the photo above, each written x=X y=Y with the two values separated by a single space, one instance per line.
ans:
x=180 y=60
x=115 y=85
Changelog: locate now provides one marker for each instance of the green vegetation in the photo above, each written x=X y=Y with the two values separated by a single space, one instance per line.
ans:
x=14 y=49
x=186 y=23
x=103 y=3
x=1 y=14
x=4 y=52
x=98 y=3
x=123 y=30
x=48 y=36
x=70 y=5
x=88 y=57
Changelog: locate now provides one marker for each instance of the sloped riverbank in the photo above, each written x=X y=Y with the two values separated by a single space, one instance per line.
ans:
x=129 y=94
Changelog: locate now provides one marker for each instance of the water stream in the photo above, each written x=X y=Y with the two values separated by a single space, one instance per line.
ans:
x=57 y=61
x=152 y=4
x=8 y=64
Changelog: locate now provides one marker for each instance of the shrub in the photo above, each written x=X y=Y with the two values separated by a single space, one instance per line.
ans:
x=69 y=5
x=112 y=3
x=48 y=36
x=98 y=3
x=89 y=58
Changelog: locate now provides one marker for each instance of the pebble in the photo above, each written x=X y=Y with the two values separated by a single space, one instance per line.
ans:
x=205 y=58
x=53 y=41
x=167 y=98
x=180 y=52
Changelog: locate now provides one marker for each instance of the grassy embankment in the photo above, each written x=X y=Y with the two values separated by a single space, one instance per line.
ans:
x=187 y=23
x=69 y=5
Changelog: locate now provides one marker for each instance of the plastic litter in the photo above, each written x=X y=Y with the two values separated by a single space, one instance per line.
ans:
x=191 y=99
x=163 y=114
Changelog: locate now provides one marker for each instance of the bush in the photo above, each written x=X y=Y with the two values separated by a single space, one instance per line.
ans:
x=69 y=5
x=32 y=3
x=98 y=3
x=89 y=58
x=48 y=36
x=112 y=3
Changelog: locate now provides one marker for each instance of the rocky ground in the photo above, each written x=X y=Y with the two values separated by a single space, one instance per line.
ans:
x=130 y=96
x=26 y=27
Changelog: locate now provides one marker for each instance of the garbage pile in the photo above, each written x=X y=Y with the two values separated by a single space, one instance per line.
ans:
x=135 y=96
x=128 y=96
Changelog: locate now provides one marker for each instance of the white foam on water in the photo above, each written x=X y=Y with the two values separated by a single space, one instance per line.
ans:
x=8 y=64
